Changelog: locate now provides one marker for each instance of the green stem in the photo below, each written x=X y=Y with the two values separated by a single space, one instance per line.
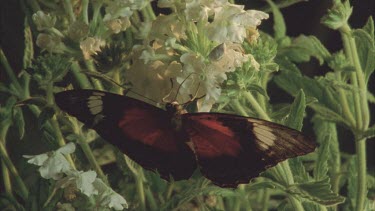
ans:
x=81 y=78
x=85 y=11
x=55 y=124
x=170 y=190
x=238 y=107
x=91 y=158
x=362 y=177
x=90 y=66
x=151 y=199
x=262 y=114
x=265 y=199
x=362 y=114
x=5 y=158
x=141 y=191
x=361 y=79
x=9 y=71
x=69 y=9
x=150 y=12
x=296 y=204
x=6 y=179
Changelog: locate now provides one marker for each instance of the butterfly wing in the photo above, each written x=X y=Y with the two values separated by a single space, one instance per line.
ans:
x=141 y=131
x=233 y=149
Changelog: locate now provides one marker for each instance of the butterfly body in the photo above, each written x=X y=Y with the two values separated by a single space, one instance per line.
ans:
x=228 y=149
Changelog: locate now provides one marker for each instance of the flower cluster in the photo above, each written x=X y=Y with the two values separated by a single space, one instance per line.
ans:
x=195 y=46
x=53 y=165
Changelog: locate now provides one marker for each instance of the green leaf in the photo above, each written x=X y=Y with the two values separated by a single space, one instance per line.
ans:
x=339 y=62
x=369 y=133
x=338 y=15
x=285 y=64
x=279 y=23
x=265 y=184
x=366 y=51
x=28 y=54
x=327 y=114
x=304 y=47
x=292 y=82
x=46 y=114
x=323 y=131
x=321 y=165
x=318 y=191
x=297 y=111
x=19 y=122
x=370 y=97
x=369 y=27
x=298 y=169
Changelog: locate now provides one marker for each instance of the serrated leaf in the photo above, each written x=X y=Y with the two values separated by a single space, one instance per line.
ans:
x=327 y=114
x=297 y=111
x=279 y=23
x=366 y=51
x=369 y=27
x=285 y=64
x=304 y=47
x=46 y=114
x=338 y=15
x=318 y=191
x=321 y=165
x=322 y=130
x=266 y=184
x=298 y=169
x=19 y=122
x=28 y=54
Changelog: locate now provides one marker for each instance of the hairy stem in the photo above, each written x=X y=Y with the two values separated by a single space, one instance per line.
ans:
x=362 y=113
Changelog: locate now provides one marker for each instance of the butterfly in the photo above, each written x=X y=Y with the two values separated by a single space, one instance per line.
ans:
x=228 y=149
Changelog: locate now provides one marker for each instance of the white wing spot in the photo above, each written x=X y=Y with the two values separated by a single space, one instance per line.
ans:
x=264 y=135
x=95 y=103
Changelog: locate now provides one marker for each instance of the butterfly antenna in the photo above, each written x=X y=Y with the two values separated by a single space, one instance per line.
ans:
x=194 y=97
x=179 y=87
x=164 y=98
x=127 y=89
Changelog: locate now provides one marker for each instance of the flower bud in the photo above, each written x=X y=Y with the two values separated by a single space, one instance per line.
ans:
x=43 y=21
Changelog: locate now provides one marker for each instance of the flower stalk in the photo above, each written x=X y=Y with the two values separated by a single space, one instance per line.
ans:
x=362 y=113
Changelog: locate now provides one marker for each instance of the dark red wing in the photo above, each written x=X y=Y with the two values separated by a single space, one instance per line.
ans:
x=141 y=131
x=233 y=149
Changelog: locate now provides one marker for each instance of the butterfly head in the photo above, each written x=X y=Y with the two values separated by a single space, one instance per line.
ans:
x=175 y=108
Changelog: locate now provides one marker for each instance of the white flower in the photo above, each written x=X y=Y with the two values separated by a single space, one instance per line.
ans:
x=207 y=76
x=202 y=9
x=83 y=181
x=51 y=43
x=91 y=46
x=123 y=8
x=109 y=198
x=52 y=164
x=149 y=76
x=231 y=22
x=43 y=21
